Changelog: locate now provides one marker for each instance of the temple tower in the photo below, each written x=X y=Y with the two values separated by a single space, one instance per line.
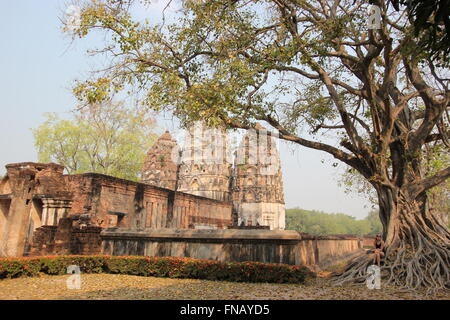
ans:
x=257 y=181
x=205 y=168
x=160 y=168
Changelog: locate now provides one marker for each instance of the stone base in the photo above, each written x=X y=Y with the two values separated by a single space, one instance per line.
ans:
x=262 y=214
x=269 y=246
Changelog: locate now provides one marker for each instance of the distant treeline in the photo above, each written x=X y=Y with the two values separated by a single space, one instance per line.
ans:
x=321 y=223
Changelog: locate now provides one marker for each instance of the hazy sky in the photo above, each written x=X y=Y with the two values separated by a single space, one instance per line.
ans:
x=38 y=65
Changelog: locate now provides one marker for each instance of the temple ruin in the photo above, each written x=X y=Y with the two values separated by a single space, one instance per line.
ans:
x=258 y=196
x=252 y=181
x=200 y=201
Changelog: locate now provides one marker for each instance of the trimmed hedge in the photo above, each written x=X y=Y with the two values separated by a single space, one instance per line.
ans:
x=171 y=267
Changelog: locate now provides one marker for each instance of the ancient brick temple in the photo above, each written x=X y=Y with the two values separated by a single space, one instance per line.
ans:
x=159 y=168
x=205 y=167
x=44 y=211
x=258 y=183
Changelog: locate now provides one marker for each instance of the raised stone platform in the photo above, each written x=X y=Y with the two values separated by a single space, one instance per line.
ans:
x=270 y=246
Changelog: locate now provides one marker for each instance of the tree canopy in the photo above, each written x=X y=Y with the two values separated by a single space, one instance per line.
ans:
x=107 y=138
x=431 y=20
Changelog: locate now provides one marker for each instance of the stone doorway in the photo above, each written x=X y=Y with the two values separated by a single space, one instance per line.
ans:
x=35 y=221
x=5 y=204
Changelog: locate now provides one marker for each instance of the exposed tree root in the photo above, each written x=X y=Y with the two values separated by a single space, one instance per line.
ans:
x=354 y=272
x=417 y=253
x=424 y=261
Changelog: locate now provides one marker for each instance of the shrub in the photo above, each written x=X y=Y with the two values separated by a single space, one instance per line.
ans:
x=58 y=264
x=18 y=267
x=171 y=267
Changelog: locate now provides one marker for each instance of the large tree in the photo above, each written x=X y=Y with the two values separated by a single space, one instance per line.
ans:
x=107 y=138
x=435 y=157
x=431 y=21
x=300 y=65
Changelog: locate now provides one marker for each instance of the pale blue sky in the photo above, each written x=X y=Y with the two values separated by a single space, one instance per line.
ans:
x=38 y=65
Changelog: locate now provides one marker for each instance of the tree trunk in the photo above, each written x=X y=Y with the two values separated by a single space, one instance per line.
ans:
x=417 y=244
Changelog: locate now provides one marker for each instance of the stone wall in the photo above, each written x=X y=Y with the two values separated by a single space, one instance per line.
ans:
x=118 y=203
x=190 y=213
x=368 y=240
x=108 y=202
x=43 y=241
x=43 y=211
x=86 y=241
x=329 y=250
x=271 y=246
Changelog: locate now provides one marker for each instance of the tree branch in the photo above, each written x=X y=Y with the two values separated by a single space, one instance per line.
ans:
x=430 y=182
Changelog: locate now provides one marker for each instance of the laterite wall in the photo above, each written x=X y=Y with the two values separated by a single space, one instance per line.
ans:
x=271 y=246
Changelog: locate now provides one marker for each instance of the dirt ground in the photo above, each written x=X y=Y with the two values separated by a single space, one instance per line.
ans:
x=123 y=287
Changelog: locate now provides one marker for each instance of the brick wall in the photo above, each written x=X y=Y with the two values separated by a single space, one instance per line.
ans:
x=86 y=240
x=66 y=239
x=118 y=203
x=43 y=240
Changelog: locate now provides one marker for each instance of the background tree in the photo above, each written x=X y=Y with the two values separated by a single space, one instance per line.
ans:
x=105 y=138
x=375 y=226
x=303 y=65
x=436 y=157
x=321 y=223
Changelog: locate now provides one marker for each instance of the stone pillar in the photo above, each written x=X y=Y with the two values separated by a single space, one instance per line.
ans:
x=18 y=219
x=23 y=188
x=17 y=227
x=44 y=215
x=54 y=210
